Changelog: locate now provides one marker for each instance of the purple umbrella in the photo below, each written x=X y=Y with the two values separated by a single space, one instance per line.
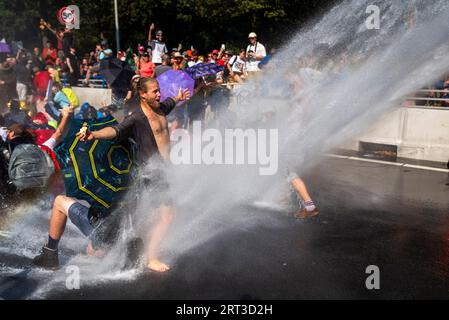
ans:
x=4 y=48
x=204 y=69
x=171 y=81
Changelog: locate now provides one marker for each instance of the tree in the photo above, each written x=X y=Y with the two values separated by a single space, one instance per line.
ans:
x=202 y=23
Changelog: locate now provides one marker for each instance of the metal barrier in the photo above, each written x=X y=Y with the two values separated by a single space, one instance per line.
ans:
x=428 y=99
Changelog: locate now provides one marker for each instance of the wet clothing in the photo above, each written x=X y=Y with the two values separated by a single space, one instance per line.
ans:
x=79 y=215
x=137 y=127
x=155 y=182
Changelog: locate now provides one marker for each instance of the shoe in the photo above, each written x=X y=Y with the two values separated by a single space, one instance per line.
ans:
x=47 y=259
x=313 y=213
x=303 y=214
x=134 y=252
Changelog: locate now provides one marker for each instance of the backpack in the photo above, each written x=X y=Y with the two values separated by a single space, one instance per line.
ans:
x=29 y=167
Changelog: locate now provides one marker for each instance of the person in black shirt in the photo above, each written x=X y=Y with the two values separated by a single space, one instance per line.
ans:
x=73 y=65
x=67 y=41
x=148 y=127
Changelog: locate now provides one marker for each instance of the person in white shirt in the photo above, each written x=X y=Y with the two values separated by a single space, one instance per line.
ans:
x=255 y=52
x=237 y=67
x=157 y=45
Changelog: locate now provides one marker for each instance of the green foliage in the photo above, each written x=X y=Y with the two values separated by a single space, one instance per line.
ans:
x=205 y=24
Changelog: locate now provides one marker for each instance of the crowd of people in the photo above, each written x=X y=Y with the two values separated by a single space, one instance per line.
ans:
x=38 y=103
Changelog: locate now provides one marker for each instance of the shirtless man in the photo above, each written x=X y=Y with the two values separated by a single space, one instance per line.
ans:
x=148 y=126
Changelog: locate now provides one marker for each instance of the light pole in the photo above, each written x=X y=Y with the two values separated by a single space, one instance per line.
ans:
x=117 y=33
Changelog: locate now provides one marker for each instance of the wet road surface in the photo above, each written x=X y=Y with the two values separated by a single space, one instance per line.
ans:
x=370 y=214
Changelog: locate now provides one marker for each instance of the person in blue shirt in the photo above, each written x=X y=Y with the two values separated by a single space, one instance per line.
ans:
x=55 y=101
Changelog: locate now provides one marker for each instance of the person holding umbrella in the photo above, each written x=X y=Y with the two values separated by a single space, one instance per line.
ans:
x=148 y=127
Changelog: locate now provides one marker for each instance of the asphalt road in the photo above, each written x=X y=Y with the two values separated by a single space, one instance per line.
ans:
x=391 y=217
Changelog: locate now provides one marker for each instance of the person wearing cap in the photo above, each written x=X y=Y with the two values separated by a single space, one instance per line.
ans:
x=157 y=45
x=178 y=61
x=255 y=52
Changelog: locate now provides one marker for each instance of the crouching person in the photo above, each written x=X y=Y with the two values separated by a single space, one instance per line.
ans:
x=100 y=227
x=84 y=217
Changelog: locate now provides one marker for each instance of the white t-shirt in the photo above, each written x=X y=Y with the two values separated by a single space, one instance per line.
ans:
x=237 y=64
x=50 y=143
x=259 y=49
x=157 y=50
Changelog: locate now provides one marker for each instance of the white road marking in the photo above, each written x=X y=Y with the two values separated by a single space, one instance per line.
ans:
x=389 y=163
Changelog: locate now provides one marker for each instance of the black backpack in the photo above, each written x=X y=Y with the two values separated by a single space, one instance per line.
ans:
x=29 y=167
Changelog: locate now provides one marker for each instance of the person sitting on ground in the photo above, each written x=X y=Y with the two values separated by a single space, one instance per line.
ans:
x=29 y=167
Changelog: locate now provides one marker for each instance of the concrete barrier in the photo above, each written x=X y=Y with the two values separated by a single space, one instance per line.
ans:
x=418 y=132
x=94 y=96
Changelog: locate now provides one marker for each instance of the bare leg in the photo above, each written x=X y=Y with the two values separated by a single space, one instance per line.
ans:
x=59 y=214
x=167 y=214
x=301 y=189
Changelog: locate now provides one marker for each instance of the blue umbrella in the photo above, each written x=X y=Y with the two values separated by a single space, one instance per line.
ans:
x=98 y=171
x=171 y=81
x=203 y=70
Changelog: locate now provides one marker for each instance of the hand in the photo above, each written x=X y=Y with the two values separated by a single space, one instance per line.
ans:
x=71 y=70
x=2 y=82
x=84 y=134
x=40 y=105
x=182 y=95
x=46 y=99
x=152 y=27
x=65 y=112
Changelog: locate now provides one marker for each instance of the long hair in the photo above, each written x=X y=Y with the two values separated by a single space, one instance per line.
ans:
x=142 y=84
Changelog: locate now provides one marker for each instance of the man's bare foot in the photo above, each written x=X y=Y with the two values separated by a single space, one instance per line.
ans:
x=157 y=265
x=94 y=253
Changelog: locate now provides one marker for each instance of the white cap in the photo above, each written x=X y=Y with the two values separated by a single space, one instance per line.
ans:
x=252 y=35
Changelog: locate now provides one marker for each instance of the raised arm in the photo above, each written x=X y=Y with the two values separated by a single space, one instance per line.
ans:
x=51 y=29
x=150 y=32
x=65 y=113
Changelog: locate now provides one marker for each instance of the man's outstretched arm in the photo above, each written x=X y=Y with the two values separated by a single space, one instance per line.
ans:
x=107 y=133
